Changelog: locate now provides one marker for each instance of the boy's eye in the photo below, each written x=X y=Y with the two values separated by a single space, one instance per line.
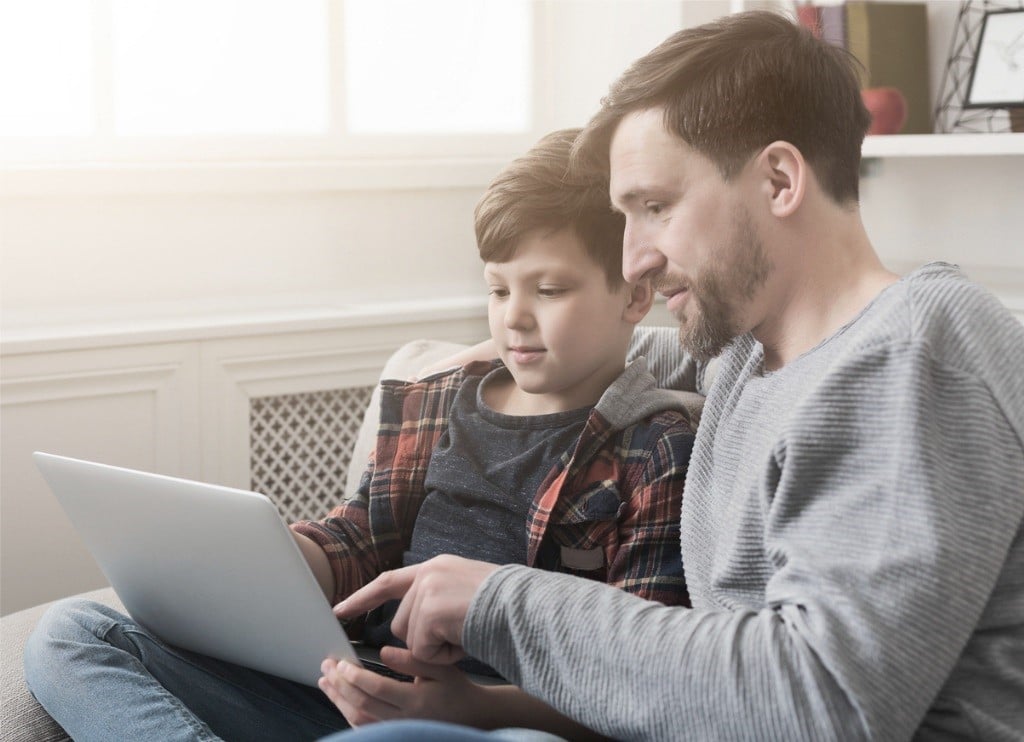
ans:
x=654 y=207
x=550 y=291
x=498 y=293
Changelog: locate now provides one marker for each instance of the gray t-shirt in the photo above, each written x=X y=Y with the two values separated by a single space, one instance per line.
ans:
x=483 y=476
x=853 y=535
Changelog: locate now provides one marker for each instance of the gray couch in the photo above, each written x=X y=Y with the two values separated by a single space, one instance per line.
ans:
x=24 y=720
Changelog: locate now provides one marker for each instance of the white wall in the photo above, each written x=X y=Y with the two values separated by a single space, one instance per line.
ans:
x=158 y=235
x=962 y=209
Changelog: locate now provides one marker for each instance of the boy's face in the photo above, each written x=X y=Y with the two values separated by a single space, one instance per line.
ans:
x=558 y=327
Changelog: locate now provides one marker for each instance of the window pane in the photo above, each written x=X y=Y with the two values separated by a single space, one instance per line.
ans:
x=443 y=66
x=46 y=72
x=220 y=66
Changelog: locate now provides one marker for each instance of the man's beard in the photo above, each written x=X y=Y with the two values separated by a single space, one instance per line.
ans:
x=717 y=293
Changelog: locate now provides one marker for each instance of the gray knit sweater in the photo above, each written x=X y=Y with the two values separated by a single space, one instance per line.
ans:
x=853 y=544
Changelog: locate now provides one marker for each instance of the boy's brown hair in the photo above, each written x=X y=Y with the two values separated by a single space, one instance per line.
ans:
x=544 y=190
x=731 y=87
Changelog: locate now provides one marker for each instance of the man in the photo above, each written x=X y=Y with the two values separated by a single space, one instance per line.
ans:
x=852 y=518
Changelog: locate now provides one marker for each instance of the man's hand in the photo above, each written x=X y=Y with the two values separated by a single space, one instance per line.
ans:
x=439 y=692
x=435 y=600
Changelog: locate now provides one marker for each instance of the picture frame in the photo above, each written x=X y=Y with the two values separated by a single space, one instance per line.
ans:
x=997 y=73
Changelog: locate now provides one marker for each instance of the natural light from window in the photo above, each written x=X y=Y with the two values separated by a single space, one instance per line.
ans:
x=46 y=68
x=201 y=79
x=221 y=67
x=433 y=67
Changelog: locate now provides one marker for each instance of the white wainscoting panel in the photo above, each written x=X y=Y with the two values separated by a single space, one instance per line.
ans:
x=135 y=407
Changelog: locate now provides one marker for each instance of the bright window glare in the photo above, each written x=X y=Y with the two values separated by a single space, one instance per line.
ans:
x=46 y=73
x=443 y=66
x=220 y=67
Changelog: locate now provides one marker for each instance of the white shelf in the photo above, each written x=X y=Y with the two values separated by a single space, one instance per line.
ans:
x=943 y=145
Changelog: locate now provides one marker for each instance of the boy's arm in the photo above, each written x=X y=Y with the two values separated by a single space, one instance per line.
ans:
x=341 y=544
x=318 y=562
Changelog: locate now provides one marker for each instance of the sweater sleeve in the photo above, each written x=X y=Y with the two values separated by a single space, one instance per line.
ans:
x=890 y=521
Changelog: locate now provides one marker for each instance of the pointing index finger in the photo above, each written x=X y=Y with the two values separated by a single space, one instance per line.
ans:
x=387 y=586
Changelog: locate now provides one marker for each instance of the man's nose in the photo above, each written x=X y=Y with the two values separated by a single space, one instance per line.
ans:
x=640 y=258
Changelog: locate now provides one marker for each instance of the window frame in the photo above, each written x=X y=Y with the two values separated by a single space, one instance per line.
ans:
x=337 y=146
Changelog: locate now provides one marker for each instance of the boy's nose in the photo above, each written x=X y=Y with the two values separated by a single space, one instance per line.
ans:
x=517 y=314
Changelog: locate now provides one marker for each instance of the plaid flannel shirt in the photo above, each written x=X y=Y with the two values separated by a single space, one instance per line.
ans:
x=609 y=509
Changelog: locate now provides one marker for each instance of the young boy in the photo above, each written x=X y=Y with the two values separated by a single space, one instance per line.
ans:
x=557 y=456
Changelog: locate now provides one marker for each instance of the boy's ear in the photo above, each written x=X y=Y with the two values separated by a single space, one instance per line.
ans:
x=641 y=297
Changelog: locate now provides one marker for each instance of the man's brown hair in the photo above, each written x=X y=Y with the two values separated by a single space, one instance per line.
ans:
x=544 y=190
x=731 y=87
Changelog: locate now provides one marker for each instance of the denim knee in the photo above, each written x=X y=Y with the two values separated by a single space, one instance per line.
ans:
x=62 y=632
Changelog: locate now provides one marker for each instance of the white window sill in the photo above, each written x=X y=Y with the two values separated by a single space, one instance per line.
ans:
x=249 y=176
x=81 y=328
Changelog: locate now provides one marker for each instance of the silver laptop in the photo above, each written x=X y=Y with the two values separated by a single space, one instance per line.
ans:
x=210 y=569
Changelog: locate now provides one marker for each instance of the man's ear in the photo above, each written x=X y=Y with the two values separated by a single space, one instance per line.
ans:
x=641 y=297
x=784 y=173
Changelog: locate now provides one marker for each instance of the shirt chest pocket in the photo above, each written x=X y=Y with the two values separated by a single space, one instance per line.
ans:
x=584 y=531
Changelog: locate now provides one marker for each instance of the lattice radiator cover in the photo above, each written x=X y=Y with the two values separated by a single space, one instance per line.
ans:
x=301 y=447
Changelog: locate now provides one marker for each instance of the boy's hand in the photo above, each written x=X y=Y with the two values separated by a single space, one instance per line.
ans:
x=435 y=600
x=439 y=692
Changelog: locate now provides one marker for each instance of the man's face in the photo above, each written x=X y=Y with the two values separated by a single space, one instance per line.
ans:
x=558 y=327
x=688 y=231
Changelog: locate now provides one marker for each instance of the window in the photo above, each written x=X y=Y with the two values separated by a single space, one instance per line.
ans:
x=472 y=77
x=46 y=68
x=195 y=67
x=155 y=80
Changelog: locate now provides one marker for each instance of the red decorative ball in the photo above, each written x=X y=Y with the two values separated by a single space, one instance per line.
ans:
x=888 y=109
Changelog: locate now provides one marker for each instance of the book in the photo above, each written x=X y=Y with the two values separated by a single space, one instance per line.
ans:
x=833 y=24
x=826 y=22
x=891 y=41
x=809 y=16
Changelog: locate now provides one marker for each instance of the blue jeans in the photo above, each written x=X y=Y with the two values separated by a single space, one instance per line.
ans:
x=102 y=677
